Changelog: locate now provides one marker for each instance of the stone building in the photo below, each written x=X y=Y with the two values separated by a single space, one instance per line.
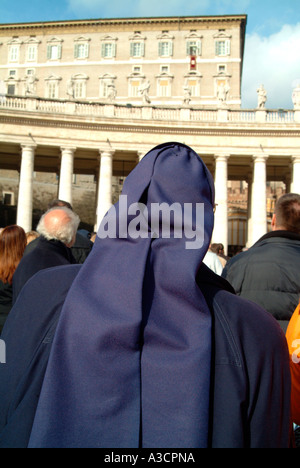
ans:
x=82 y=101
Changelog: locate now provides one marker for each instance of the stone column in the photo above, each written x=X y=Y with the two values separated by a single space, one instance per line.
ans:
x=259 y=199
x=24 y=211
x=66 y=174
x=295 y=186
x=220 y=233
x=105 y=185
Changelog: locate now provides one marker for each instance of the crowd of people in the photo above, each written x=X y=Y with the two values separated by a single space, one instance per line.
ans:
x=140 y=342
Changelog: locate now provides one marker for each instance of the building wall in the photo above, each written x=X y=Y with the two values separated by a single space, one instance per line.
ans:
x=122 y=68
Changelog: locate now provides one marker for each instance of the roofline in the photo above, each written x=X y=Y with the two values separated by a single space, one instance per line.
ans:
x=99 y=21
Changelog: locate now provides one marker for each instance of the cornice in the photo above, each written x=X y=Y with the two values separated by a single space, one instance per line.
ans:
x=139 y=126
x=121 y=21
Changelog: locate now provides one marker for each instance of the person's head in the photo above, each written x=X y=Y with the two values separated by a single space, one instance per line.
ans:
x=12 y=246
x=287 y=213
x=56 y=203
x=59 y=224
x=217 y=248
x=31 y=236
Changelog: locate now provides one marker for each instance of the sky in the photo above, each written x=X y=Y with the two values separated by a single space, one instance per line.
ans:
x=272 y=49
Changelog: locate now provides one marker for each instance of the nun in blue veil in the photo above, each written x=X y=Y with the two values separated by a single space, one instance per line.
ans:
x=134 y=359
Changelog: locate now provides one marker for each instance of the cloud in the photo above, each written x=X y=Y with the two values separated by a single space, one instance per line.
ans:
x=274 y=62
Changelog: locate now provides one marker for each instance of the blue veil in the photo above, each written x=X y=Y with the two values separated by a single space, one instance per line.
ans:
x=130 y=364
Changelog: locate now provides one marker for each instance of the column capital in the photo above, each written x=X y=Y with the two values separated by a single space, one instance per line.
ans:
x=222 y=156
x=28 y=146
x=106 y=152
x=260 y=157
x=69 y=149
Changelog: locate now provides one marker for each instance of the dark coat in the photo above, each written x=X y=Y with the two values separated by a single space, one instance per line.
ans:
x=46 y=254
x=250 y=391
x=28 y=334
x=80 y=250
x=6 y=294
x=269 y=273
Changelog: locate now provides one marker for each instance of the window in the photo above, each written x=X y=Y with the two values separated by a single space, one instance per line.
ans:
x=52 y=90
x=134 y=86
x=52 y=86
x=221 y=69
x=81 y=51
x=193 y=47
x=164 y=87
x=165 y=49
x=79 y=90
x=165 y=44
x=8 y=198
x=81 y=48
x=222 y=47
x=137 y=45
x=137 y=49
x=11 y=90
x=193 y=85
x=32 y=53
x=108 y=50
x=14 y=53
x=54 y=52
x=109 y=47
x=54 y=49
x=79 y=85
x=12 y=73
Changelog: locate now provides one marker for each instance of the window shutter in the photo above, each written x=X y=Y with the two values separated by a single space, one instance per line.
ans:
x=114 y=49
x=49 y=48
x=199 y=45
x=217 y=48
x=171 y=48
x=76 y=50
x=59 y=51
x=86 y=50
x=227 y=47
x=160 y=49
x=131 y=49
x=188 y=48
x=143 y=49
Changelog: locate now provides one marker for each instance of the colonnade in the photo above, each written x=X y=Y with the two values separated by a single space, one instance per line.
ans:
x=257 y=224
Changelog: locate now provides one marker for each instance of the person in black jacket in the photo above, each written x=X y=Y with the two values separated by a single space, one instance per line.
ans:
x=82 y=246
x=269 y=272
x=57 y=229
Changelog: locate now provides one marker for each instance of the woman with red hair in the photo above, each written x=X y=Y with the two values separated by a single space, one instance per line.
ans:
x=12 y=246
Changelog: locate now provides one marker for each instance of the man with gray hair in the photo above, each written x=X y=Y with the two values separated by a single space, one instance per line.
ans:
x=57 y=229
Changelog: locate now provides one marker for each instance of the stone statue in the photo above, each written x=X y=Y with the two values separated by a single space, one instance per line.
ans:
x=222 y=94
x=30 y=85
x=71 y=89
x=296 y=97
x=187 y=95
x=262 y=97
x=111 y=92
x=2 y=92
x=144 y=91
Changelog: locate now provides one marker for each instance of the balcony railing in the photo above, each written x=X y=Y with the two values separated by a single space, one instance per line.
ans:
x=155 y=113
